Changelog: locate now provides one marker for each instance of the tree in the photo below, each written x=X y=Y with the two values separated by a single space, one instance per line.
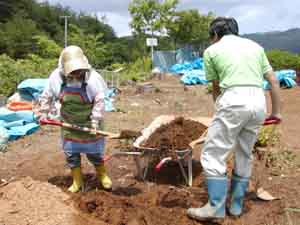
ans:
x=92 y=25
x=6 y=10
x=91 y=44
x=45 y=47
x=150 y=16
x=16 y=36
x=189 y=27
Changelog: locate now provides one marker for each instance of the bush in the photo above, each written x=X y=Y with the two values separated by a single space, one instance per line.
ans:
x=283 y=60
x=268 y=136
x=10 y=75
x=137 y=71
x=13 y=72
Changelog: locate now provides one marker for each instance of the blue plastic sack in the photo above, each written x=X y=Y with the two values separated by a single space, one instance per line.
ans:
x=285 y=79
x=11 y=116
x=111 y=92
x=181 y=68
x=16 y=132
x=197 y=64
x=194 y=77
x=31 y=89
x=108 y=105
x=12 y=124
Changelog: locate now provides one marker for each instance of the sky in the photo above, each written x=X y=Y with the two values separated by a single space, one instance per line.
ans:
x=252 y=15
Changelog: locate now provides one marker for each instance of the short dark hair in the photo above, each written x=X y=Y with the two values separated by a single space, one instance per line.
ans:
x=223 y=26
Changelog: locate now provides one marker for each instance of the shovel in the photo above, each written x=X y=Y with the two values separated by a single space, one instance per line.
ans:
x=125 y=134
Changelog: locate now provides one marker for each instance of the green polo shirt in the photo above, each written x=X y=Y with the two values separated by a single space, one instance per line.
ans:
x=236 y=61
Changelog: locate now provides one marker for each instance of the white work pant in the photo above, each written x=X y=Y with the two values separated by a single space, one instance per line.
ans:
x=240 y=111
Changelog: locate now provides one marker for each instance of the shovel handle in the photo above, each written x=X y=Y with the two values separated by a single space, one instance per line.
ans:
x=50 y=122
x=75 y=127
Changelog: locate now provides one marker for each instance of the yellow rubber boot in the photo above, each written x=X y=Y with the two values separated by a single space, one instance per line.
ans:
x=103 y=177
x=77 y=180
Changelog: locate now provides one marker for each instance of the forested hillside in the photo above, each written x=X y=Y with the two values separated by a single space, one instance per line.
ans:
x=285 y=40
x=32 y=37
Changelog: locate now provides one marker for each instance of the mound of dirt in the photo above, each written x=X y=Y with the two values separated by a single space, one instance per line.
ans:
x=29 y=202
x=176 y=135
x=131 y=206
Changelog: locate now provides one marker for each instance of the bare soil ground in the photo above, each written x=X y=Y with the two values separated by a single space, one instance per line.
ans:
x=163 y=198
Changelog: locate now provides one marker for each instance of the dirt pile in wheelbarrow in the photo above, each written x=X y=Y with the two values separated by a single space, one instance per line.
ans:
x=176 y=135
x=29 y=202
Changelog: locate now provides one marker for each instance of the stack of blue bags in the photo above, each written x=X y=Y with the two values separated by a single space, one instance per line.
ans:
x=286 y=79
x=192 y=73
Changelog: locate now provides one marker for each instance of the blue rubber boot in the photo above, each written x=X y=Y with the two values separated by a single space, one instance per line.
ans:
x=239 y=186
x=215 y=208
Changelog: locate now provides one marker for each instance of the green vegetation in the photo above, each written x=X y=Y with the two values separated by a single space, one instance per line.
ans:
x=189 y=27
x=268 y=136
x=12 y=72
x=283 y=60
x=32 y=37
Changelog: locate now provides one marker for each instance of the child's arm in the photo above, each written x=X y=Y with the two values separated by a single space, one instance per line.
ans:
x=49 y=95
x=98 y=110
x=96 y=89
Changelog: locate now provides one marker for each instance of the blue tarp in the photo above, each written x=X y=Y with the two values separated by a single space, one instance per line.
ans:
x=285 y=78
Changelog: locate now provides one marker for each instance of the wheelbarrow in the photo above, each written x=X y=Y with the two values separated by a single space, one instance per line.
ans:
x=180 y=155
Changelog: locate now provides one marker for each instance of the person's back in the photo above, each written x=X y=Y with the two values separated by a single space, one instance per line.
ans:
x=236 y=67
x=237 y=61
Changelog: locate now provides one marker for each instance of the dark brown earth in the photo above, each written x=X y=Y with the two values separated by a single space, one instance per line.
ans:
x=162 y=198
x=177 y=135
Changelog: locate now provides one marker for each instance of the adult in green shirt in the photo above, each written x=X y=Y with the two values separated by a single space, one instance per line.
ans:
x=236 y=67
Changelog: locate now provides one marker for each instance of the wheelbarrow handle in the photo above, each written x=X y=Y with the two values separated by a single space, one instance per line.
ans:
x=271 y=120
x=161 y=163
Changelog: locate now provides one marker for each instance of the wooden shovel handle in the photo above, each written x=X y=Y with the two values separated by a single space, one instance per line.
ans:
x=75 y=127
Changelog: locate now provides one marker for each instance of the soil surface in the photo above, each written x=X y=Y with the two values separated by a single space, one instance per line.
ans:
x=177 y=135
x=162 y=198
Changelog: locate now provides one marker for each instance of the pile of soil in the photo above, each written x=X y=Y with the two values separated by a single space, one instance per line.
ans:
x=29 y=202
x=177 y=135
x=137 y=206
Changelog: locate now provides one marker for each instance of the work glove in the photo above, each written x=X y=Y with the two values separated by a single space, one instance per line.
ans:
x=94 y=127
x=41 y=116
x=273 y=119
